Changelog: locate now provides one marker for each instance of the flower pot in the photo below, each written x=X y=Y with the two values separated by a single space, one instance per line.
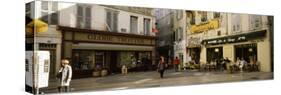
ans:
x=96 y=73
x=104 y=72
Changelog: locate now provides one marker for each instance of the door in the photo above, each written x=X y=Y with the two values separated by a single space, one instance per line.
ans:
x=113 y=62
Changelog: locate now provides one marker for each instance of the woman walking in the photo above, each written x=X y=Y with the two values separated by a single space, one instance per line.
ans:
x=65 y=74
x=161 y=66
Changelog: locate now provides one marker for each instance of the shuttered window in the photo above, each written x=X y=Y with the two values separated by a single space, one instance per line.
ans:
x=83 y=16
x=134 y=24
x=49 y=12
x=147 y=27
x=112 y=20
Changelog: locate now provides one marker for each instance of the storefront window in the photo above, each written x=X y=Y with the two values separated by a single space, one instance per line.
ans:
x=214 y=54
x=127 y=59
x=83 y=60
x=246 y=51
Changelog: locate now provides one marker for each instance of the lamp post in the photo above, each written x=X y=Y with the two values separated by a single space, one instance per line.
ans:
x=33 y=27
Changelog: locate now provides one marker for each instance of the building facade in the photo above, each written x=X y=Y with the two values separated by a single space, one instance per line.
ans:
x=49 y=40
x=106 y=37
x=179 y=28
x=93 y=37
x=231 y=35
x=165 y=36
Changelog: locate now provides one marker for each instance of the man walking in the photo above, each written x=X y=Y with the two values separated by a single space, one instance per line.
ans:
x=176 y=64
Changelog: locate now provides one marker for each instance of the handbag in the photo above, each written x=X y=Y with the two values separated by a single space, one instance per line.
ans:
x=59 y=75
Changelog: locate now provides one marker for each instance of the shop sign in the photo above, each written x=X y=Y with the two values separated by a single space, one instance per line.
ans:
x=112 y=39
x=213 y=24
x=235 y=38
x=194 y=42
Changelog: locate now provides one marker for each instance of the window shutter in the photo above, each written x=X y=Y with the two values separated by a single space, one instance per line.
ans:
x=44 y=5
x=54 y=18
x=108 y=20
x=115 y=22
x=54 y=6
x=88 y=17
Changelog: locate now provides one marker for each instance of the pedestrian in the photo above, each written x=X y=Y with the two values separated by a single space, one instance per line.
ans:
x=176 y=64
x=65 y=74
x=161 y=66
x=242 y=65
x=144 y=61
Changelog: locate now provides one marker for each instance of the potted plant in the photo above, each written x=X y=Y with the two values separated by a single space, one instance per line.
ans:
x=97 y=71
x=104 y=72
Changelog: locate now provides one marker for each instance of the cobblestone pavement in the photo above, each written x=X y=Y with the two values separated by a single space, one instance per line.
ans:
x=152 y=79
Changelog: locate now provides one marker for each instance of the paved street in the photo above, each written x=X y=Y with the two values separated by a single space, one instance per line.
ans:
x=151 y=79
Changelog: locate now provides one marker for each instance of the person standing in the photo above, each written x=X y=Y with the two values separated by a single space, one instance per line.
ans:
x=161 y=66
x=176 y=64
x=242 y=65
x=65 y=75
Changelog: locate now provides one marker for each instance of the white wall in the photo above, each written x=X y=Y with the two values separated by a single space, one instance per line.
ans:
x=67 y=14
x=68 y=18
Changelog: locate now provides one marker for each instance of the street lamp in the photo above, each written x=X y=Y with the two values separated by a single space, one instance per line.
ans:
x=250 y=50
x=216 y=50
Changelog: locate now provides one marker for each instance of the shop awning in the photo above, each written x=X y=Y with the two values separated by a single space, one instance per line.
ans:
x=37 y=26
x=235 y=38
x=114 y=47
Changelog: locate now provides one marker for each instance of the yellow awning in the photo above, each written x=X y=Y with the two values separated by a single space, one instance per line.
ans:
x=37 y=26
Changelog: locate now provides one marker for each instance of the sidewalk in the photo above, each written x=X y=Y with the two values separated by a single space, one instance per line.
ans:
x=152 y=79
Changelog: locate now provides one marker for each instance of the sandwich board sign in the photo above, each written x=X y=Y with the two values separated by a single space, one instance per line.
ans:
x=41 y=69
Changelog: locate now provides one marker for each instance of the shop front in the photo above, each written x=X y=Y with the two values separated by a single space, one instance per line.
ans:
x=214 y=54
x=193 y=49
x=91 y=51
x=248 y=46
x=247 y=52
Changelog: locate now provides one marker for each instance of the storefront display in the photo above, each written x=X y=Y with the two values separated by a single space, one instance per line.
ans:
x=93 y=52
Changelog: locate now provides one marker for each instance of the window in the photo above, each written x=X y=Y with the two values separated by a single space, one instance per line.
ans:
x=192 y=17
x=134 y=24
x=26 y=65
x=44 y=5
x=204 y=16
x=49 y=12
x=146 y=25
x=216 y=15
x=83 y=16
x=87 y=60
x=46 y=66
x=255 y=22
x=176 y=35
x=236 y=22
x=112 y=20
x=179 y=15
x=180 y=33
x=28 y=9
x=219 y=33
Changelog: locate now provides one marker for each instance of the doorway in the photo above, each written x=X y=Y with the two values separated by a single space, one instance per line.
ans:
x=214 y=53
x=246 y=51
x=113 y=62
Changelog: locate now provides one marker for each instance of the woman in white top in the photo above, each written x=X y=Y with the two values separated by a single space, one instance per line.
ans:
x=65 y=74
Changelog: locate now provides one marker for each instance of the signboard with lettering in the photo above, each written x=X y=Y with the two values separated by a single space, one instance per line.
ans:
x=194 y=42
x=119 y=39
x=235 y=38
x=213 y=24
